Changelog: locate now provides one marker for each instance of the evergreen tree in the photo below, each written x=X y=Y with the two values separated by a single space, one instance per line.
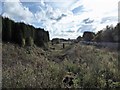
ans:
x=23 y=34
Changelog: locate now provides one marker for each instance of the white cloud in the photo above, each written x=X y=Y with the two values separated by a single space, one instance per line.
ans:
x=95 y=10
x=16 y=10
x=57 y=16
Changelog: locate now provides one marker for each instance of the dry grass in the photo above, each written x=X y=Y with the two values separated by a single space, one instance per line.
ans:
x=37 y=68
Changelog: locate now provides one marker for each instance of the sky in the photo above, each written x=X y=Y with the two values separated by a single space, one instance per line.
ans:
x=63 y=18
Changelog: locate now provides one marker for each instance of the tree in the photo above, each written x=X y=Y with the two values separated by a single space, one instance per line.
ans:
x=79 y=38
x=98 y=36
x=22 y=33
x=107 y=34
x=88 y=36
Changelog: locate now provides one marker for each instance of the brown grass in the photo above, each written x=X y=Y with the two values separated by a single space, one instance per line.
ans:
x=38 y=68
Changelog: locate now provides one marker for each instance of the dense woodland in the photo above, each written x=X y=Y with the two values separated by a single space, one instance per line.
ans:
x=23 y=34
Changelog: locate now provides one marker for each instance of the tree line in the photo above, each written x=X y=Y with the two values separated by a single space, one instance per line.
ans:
x=108 y=34
x=23 y=34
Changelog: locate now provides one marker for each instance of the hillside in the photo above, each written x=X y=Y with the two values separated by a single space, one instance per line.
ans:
x=75 y=66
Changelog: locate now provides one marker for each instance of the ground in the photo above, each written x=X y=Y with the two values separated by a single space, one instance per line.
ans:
x=74 y=66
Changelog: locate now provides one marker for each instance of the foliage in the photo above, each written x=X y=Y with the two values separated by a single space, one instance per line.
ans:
x=88 y=36
x=17 y=32
x=89 y=67
x=109 y=34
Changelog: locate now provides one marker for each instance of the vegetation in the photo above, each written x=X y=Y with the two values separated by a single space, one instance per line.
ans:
x=88 y=36
x=22 y=34
x=75 y=66
x=108 y=34
x=61 y=65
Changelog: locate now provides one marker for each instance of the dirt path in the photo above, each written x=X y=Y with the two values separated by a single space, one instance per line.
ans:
x=58 y=53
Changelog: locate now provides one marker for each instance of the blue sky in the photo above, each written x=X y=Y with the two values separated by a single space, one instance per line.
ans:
x=63 y=18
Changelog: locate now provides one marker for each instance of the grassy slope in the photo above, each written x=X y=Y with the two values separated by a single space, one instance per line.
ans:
x=34 y=67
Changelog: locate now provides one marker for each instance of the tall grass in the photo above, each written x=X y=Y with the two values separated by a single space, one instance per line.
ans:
x=33 y=68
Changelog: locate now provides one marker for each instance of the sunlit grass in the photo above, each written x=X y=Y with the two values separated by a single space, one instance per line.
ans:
x=33 y=67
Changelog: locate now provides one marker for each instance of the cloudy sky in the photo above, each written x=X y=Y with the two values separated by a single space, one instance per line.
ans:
x=63 y=18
